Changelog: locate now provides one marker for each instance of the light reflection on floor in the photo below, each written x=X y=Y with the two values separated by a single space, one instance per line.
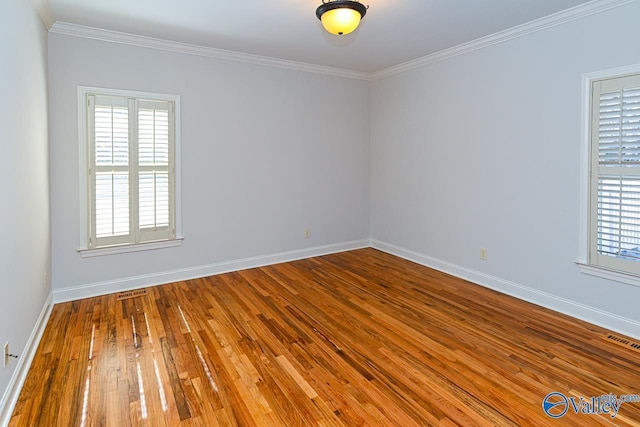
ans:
x=143 y=399
x=200 y=356
x=163 y=398
x=85 y=397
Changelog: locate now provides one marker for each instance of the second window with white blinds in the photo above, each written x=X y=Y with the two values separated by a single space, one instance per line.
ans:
x=615 y=181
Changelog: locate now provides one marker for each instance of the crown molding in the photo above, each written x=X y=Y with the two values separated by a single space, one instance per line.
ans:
x=572 y=14
x=43 y=9
x=75 y=30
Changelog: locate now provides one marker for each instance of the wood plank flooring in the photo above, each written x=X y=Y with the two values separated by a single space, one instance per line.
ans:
x=349 y=339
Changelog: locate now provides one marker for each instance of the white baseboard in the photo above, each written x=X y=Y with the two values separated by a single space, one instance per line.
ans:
x=12 y=392
x=136 y=282
x=589 y=314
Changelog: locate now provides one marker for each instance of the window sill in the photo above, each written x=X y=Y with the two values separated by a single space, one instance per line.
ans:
x=604 y=273
x=137 y=247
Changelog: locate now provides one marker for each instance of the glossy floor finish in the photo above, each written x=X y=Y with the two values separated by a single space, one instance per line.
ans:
x=356 y=338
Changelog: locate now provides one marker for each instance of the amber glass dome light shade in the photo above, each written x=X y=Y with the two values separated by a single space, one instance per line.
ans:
x=340 y=17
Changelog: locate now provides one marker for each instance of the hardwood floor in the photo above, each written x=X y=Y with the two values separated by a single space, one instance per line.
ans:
x=356 y=338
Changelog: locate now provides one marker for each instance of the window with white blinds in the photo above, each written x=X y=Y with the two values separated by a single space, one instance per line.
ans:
x=130 y=168
x=615 y=174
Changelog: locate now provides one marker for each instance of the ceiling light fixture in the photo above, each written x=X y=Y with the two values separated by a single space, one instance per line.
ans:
x=341 y=17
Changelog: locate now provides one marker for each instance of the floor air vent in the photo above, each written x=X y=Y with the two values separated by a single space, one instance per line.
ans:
x=132 y=294
x=623 y=342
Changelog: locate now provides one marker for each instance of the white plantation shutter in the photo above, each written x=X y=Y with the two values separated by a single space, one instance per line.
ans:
x=615 y=185
x=109 y=152
x=154 y=145
x=131 y=170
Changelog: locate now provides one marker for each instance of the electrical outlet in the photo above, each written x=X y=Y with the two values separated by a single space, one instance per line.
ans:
x=484 y=253
x=307 y=233
x=6 y=355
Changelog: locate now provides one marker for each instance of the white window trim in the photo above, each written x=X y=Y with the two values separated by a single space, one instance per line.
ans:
x=585 y=179
x=83 y=247
x=135 y=247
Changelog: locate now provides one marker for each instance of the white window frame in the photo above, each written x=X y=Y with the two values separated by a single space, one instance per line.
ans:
x=586 y=265
x=84 y=141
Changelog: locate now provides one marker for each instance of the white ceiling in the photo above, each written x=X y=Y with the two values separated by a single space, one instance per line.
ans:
x=393 y=31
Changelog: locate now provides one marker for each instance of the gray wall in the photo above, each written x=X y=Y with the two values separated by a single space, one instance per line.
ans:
x=266 y=153
x=24 y=173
